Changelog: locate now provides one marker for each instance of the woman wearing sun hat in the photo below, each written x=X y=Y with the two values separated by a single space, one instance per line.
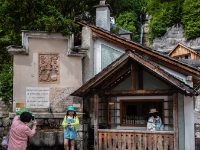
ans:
x=154 y=122
x=70 y=123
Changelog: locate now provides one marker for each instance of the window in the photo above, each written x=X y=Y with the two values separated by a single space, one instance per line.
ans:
x=102 y=111
x=136 y=112
x=113 y=113
x=186 y=57
x=108 y=55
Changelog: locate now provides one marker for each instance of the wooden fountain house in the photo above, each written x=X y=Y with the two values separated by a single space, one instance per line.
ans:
x=121 y=113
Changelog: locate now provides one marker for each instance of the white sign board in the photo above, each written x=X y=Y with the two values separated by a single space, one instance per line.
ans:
x=37 y=97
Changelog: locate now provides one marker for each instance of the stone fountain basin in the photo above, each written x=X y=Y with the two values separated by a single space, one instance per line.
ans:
x=47 y=139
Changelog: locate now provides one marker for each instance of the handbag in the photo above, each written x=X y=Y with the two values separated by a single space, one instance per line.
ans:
x=5 y=141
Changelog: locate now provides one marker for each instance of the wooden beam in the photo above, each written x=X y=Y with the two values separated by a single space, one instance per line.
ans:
x=140 y=76
x=96 y=124
x=136 y=131
x=133 y=83
x=110 y=73
x=139 y=92
x=126 y=75
x=116 y=77
x=175 y=119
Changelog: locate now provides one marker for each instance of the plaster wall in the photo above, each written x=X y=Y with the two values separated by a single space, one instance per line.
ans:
x=189 y=123
x=150 y=82
x=26 y=67
x=88 y=60
x=181 y=122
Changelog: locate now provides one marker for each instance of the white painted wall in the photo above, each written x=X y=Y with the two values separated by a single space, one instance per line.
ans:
x=189 y=123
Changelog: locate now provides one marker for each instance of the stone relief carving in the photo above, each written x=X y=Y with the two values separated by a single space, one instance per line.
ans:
x=49 y=68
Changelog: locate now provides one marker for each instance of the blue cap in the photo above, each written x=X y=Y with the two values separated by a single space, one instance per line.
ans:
x=70 y=108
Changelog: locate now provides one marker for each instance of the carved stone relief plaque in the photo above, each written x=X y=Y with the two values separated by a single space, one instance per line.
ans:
x=49 y=68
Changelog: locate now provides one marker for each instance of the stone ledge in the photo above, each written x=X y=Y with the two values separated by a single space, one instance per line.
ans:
x=47 y=115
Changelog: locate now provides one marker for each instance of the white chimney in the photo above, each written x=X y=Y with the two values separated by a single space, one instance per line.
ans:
x=103 y=15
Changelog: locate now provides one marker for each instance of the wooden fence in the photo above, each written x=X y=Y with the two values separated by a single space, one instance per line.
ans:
x=135 y=140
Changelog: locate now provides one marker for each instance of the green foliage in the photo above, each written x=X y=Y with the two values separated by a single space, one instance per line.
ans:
x=128 y=14
x=121 y=6
x=54 y=21
x=115 y=30
x=191 y=18
x=164 y=14
x=6 y=82
x=129 y=21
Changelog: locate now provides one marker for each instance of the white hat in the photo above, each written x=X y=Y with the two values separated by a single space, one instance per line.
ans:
x=153 y=110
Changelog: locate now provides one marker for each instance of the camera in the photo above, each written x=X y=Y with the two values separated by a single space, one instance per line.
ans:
x=33 y=117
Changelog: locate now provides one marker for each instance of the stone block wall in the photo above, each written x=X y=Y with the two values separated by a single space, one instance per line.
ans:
x=5 y=121
x=49 y=135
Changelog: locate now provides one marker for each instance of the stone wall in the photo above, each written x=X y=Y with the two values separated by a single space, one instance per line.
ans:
x=4 y=119
x=173 y=36
x=49 y=135
x=49 y=132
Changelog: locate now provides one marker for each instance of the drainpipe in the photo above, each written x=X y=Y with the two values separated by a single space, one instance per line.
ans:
x=141 y=29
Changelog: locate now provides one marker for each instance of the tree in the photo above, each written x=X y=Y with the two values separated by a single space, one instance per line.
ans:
x=165 y=13
x=128 y=20
x=6 y=82
x=191 y=18
x=128 y=14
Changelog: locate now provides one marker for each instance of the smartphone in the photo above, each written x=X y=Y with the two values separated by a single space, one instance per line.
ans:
x=33 y=117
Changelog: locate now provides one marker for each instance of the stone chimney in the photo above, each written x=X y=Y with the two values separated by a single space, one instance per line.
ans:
x=103 y=15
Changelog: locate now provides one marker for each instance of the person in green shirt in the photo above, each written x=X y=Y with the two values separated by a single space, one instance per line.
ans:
x=70 y=123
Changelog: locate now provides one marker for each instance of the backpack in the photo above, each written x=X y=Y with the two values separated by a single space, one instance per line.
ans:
x=5 y=141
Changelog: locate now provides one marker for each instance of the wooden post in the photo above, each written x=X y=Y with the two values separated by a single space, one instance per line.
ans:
x=175 y=119
x=132 y=77
x=140 y=79
x=96 y=124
